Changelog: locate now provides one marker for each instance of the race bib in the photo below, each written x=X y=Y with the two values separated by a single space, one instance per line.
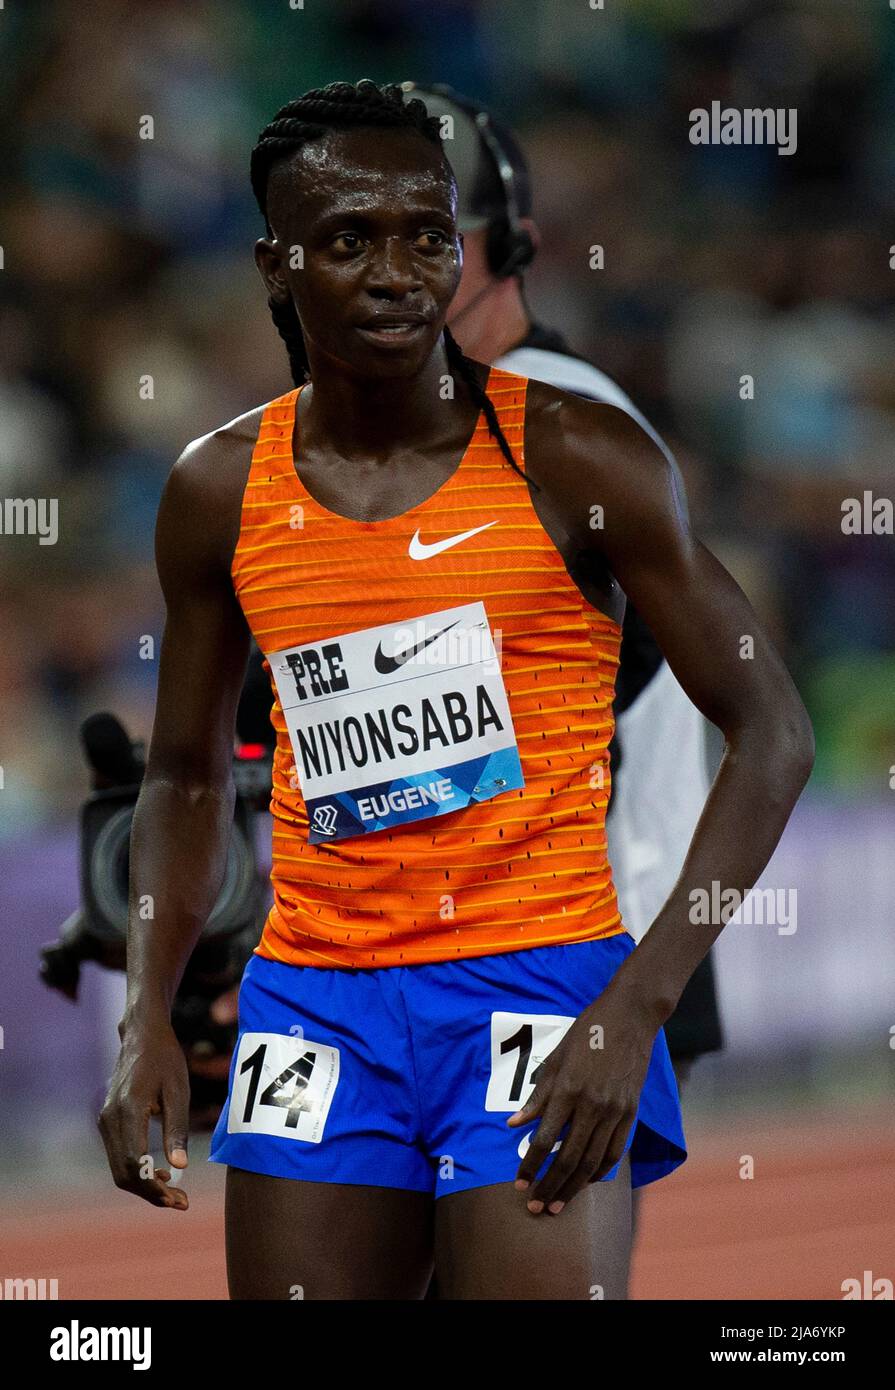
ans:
x=519 y=1044
x=282 y=1085
x=397 y=723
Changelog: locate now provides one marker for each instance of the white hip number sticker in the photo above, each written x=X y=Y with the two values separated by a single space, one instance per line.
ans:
x=282 y=1085
x=519 y=1044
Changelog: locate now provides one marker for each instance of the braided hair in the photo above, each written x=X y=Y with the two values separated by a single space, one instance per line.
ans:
x=344 y=106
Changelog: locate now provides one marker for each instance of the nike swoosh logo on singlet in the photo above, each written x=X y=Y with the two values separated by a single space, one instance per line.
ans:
x=418 y=550
x=386 y=664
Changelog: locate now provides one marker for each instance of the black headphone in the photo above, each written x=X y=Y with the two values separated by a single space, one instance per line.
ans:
x=509 y=247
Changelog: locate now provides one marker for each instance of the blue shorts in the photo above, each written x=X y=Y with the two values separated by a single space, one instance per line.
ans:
x=405 y=1076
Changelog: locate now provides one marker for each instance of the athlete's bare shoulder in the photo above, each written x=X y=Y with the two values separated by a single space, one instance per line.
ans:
x=217 y=463
x=590 y=454
x=202 y=501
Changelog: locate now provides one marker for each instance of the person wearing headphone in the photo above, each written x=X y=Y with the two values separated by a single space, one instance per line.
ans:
x=664 y=752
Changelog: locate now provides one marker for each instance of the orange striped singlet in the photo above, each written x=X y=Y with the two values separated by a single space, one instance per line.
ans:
x=525 y=867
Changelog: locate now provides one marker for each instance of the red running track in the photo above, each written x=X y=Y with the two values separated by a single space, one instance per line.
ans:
x=819 y=1210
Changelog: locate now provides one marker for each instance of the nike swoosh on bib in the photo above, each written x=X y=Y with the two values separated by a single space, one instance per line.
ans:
x=386 y=664
x=418 y=550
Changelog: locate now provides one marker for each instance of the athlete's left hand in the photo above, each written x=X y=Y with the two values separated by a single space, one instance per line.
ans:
x=591 y=1082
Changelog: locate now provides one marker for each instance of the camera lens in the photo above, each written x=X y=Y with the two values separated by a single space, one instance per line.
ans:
x=109 y=869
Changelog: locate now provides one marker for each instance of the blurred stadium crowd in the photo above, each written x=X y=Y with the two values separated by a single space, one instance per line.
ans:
x=127 y=258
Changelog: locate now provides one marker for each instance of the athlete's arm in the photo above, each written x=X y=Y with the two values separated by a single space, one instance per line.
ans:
x=588 y=455
x=184 y=814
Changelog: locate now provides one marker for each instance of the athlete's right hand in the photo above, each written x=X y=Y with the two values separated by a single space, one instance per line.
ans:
x=151 y=1078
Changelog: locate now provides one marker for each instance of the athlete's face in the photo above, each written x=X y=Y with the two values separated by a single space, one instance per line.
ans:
x=365 y=242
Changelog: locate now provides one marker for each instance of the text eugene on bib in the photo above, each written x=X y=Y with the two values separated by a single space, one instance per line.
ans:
x=397 y=723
